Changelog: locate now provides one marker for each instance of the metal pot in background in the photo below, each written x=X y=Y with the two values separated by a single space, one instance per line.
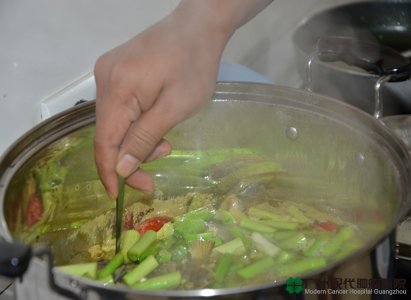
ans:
x=336 y=146
x=401 y=126
x=383 y=22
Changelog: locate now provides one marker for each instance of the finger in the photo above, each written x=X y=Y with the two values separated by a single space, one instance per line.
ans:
x=162 y=149
x=113 y=118
x=142 y=181
x=144 y=135
x=105 y=158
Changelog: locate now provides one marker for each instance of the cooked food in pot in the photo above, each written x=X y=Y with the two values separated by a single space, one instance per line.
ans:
x=253 y=193
x=220 y=218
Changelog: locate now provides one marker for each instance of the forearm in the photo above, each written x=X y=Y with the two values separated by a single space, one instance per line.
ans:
x=221 y=17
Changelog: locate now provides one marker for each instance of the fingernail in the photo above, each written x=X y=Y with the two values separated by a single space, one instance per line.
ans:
x=127 y=165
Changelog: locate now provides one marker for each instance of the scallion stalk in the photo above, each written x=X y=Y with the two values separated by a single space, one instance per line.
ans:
x=116 y=262
x=256 y=268
x=142 y=270
x=167 y=281
x=142 y=244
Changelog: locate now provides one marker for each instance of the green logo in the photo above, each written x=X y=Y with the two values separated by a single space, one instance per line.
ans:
x=294 y=285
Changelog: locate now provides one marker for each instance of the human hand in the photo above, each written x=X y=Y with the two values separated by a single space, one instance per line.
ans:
x=156 y=80
x=144 y=88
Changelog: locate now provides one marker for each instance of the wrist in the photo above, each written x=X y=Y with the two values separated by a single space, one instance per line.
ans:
x=220 y=16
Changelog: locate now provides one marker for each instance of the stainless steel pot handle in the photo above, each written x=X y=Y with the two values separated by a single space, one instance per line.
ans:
x=383 y=61
x=15 y=258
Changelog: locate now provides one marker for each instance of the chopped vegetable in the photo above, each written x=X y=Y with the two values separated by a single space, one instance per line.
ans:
x=130 y=237
x=226 y=224
x=188 y=226
x=116 y=262
x=317 y=245
x=301 y=266
x=256 y=268
x=265 y=245
x=88 y=270
x=337 y=241
x=141 y=245
x=222 y=268
x=109 y=280
x=153 y=224
x=142 y=270
x=235 y=247
x=162 y=282
x=264 y=214
x=256 y=226
x=225 y=217
x=201 y=213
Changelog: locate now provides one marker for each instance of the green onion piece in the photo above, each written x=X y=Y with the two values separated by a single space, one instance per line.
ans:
x=179 y=252
x=256 y=226
x=256 y=268
x=224 y=216
x=283 y=235
x=265 y=214
x=203 y=213
x=116 y=262
x=298 y=214
x=337 y=241
x=284 y=256
x=187 y=226
x=88 y=270
x=304 y=265
x=162 y=282
x=222 y=268
x=235 y=246
x=281 y=225
x=166 y=231
x=348 y=249
x=264 y=244
x=295 y=242
x=243 y=234
x=315 y=248
x=139 y=272
x=142 y=244
x=205 y=236
x=109 y=280
x=163 y=256
x=152 y=250
x=130 y=237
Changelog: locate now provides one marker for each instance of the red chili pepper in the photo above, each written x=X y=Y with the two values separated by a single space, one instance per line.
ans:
x=327 y=226
x=154 y=223
x=34 y=210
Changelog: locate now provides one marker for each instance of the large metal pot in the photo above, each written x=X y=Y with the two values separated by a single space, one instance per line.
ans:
x=383 y=22
x=352 y=164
